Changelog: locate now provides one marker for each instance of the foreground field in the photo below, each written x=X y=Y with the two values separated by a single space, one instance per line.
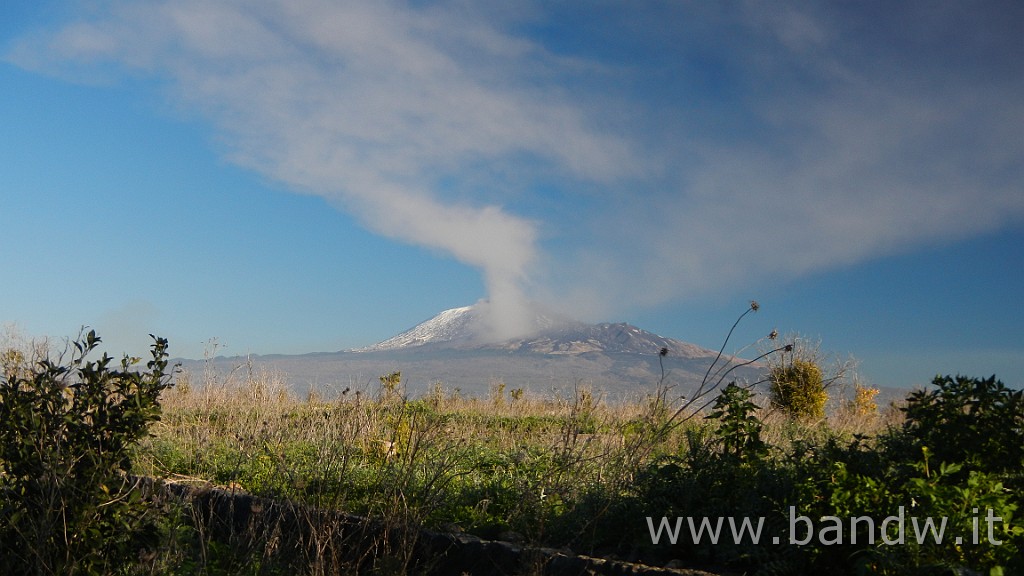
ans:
x=125 y=470
x=578 y=473
x=510 y=466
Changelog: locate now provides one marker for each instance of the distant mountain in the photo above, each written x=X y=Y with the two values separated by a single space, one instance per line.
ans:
x=461 y=328
x=465 y=327
x=448 y=327
x=453 y=348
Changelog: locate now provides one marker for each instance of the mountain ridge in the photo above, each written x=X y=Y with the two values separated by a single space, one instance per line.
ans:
x=551 y=334
x=453 y=349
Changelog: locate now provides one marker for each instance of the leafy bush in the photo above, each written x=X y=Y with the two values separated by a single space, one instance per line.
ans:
x=969 y=419
x=798 y=389
x=739 y=428
x=933 y=466
x=69 y=505
x=955 y=459
x=864 y=401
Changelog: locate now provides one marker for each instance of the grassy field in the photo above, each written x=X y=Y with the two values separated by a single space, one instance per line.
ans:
x=570 y=471
x=551 y=471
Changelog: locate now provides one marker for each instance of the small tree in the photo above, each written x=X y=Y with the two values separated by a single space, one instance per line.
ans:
x=798 y=389
x=19 y=353
x=67 y=502
x=739 y=428
x=800 y=376
x=864 y=400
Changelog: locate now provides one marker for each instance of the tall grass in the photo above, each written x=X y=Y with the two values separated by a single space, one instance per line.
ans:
x=344 y=481
x=547 y=470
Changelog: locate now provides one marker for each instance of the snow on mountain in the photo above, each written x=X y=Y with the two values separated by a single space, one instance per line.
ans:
x=453 y=349
x=451 y=325
x=465 y=328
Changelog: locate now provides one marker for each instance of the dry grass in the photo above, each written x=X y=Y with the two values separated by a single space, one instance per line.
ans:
x=542 y=468
x=216 y=427
x=500 y=466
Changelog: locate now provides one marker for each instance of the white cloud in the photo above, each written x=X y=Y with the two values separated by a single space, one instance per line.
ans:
x=835 y=145
x=845 y=161
x=368 y=104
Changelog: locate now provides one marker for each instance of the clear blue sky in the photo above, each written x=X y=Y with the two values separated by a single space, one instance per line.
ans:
x=304 y=175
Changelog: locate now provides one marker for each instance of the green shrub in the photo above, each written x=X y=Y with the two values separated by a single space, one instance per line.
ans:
x=729 y=471
x=954 y=459
x=69 y=504
x=969 y=419
x=798 y=389
x=739 y=429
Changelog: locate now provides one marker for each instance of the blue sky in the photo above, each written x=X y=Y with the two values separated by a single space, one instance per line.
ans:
x=301 y=176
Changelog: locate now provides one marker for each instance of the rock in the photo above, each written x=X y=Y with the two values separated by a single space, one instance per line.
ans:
x=510 y=536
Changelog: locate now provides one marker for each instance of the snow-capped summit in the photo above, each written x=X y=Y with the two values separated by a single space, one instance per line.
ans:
x=465 y=327
x=468 y=327
x=449 y=326
x=462 y=349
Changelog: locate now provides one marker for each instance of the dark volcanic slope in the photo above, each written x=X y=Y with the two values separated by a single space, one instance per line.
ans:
x=606 y=338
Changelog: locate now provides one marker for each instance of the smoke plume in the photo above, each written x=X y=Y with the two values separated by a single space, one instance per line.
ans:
x=683 y=149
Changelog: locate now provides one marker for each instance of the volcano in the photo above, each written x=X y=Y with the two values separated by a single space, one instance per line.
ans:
x=465 y=329
x=454 y=349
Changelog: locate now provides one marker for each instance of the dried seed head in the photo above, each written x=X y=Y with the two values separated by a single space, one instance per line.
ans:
x=663 y=352
x=774 y=334
x=754 y=305
x=788 y=348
